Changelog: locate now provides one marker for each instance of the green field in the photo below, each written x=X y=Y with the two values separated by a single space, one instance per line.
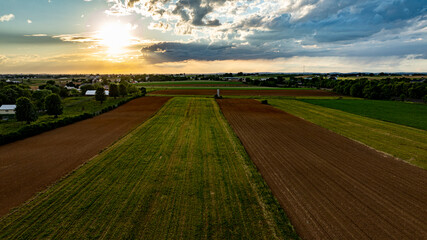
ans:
x=188 y=82
x=73 y=106
x=409 y=114
x=404 y=142
x=230 y=88
x=181 y=175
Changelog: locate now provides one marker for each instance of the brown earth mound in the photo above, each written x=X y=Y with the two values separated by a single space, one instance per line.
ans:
x=291 y=93
x=330 y=186
x=30 y=165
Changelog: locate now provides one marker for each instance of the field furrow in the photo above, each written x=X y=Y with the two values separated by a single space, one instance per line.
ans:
x=330 y=186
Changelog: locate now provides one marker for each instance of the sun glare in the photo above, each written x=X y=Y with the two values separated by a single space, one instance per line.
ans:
x=116 y=37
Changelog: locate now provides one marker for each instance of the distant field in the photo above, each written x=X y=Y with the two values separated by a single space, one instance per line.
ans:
x=181 y=175
x=188 y=83
x=290 y=92
x=380 y=77
x=229 y=88
x=406 y=143
x=73 y=106
x=409 y=114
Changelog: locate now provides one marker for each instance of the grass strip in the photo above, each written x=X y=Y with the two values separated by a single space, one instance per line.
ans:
x=406 y=143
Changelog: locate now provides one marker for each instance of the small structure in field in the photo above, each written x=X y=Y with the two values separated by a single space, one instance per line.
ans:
x=7 y=109
x=92 y=92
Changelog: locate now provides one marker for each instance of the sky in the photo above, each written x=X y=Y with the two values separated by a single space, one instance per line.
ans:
x=211 y=36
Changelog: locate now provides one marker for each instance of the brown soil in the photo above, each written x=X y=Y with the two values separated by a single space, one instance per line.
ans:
x=292 y=93
x=331 y=187
x=30 y=165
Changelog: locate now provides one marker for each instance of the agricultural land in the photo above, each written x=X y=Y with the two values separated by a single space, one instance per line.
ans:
x=189 y=180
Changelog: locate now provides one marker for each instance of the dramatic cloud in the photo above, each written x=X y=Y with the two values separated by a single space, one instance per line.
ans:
x=279 y=28
x=7 y=18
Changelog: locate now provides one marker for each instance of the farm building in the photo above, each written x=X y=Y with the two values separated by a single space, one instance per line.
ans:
x=92 y=92
x=7 y=109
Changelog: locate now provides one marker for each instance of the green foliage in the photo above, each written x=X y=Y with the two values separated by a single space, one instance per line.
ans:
x=39 y=98
x=25 y=110
x=63 y=92
x=50 y=82
x=10 y=93
x=123 y=89
x=100 y=95
x=114 y=90
x=53 y=105
x=184 y=165
x=381 y=89
x=407 y=143
x=53 y=88
x=143 y=90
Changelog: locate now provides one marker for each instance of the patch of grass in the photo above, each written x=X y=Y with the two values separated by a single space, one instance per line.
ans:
x=409 y=114
x=73 y=106
x=181 y=175
x=404 y=142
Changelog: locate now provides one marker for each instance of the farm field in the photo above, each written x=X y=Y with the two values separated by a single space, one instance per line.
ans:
x=181 y=175
x=330 y=186
x=192 y=84
x=30 y=165
x=245 y=92
x=409 y=114
x=73 y=106
x=407 y=143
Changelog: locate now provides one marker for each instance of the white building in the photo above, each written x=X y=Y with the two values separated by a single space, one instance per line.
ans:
x=7 y=109
x=93 y=92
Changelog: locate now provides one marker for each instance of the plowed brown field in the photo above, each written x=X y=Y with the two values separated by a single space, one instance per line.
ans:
x=272 y=92
x=30 y=165
x=330 y=186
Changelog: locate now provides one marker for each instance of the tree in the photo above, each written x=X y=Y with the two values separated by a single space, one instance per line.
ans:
x=53 y=105
x=114 y=90
x=123 y=89
x=100 y=95
x=25 y=110
x=39 y=97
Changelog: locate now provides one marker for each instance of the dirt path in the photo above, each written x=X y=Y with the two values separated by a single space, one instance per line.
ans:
x=330 y=186
x=272 y=92
x=30 y=165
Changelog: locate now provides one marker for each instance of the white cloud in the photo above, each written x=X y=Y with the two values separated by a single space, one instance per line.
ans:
x=29 y=21
x=7 y=17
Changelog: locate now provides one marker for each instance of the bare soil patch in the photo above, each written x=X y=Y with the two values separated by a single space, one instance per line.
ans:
x=30 y=165
x=330 y=186
x=272 y=92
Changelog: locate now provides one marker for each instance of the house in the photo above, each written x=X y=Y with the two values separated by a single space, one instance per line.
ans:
x=7 y=109
x=92 y=92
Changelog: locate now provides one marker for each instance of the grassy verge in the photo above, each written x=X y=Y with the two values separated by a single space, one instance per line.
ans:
x=409 y=114
x=404 y=142
x=181 y=175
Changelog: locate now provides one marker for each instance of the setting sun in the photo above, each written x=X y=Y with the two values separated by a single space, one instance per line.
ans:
x=116 y=37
